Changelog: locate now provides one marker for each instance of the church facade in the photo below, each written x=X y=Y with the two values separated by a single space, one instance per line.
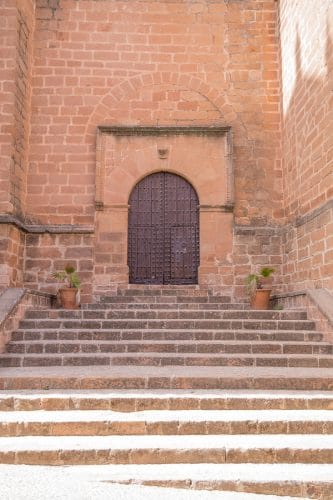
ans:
x=166 y=142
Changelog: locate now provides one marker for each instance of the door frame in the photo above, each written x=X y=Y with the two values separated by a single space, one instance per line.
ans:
x=117 y=174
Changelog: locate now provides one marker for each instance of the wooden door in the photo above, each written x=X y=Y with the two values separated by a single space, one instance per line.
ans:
x=163 y=235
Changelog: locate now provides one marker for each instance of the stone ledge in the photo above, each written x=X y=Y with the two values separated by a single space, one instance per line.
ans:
x=321 y=297
x=45 y=228
x=137 y=130
x=303 y=219
x=13 y=304
x=319 y=305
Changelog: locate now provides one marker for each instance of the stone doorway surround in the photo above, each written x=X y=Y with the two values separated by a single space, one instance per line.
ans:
x=125 y=155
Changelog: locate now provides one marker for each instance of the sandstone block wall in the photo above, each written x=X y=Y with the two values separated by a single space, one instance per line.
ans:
x=152 y=63
x=12 y=243
x=306 y=39
x=46 y=253
x=261 y=67
x=16 y=36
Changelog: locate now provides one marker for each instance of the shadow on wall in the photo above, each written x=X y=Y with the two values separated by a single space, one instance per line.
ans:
x=307 y=243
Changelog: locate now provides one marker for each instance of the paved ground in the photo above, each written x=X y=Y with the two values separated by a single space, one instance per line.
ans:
x=88 y=483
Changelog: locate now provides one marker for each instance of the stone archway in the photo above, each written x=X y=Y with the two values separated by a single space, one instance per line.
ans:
x=126 y=155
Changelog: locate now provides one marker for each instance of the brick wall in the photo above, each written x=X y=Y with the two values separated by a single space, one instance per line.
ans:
x=306 y=34
x=16 y=31
x=8 y=53
x=152 y=62
x=307 y=248
x=260 y=66
x=11 y=256
x=254 y=248
x=46 y=253
x=24 y=38
x=16 y=23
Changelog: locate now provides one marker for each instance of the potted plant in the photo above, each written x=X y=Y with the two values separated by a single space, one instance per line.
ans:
x=68 y=294
x=258 y=294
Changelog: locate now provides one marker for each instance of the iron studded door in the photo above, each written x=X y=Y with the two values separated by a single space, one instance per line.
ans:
x=163 y=239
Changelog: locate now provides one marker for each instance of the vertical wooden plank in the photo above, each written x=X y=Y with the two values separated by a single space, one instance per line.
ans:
x=163 y=231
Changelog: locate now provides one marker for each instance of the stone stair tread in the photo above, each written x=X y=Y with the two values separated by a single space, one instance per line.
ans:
x=144 y=342
x=163 y=330
x=153 y=416
x=100 y=481
x=251 y=312
x=167 y=393
x=167 y=320
x=197 y=472
x=166 y=298
x=172 y=442
x=164 y=371
x=129 y=400
x=166 y=355
x=133 y=400
x=207 y=306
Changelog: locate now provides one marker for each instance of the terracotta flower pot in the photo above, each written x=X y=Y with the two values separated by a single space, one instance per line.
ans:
x=68 y=297
x=260 y=298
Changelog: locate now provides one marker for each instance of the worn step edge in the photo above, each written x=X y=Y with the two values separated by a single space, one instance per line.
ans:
x=167 y=305
x=167 y=422
x=303 y=480
x=148 y=377
x=176 y=354
x=148 y=346
x=216 y=314
x=163 y=330
x=166 y=359
x=278 y=323
x=127 y=400
x=28 y=481
x=171 y=449
x=173 y=342
x=104 y=359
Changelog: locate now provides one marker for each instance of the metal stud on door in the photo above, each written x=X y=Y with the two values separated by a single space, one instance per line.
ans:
x=163 y=239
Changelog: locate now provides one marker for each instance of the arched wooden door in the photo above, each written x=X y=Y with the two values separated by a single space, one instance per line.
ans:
x=163 y=231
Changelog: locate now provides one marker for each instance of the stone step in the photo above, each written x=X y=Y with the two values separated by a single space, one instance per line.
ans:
x=122 y=449
x=98 y=306
x=165 y=359
x=92 y=482
x=161 y=314
x=125 y=288
x=180 y=377
x=170 y=324
x=169 y=289
x=297 y=480
x=164 y=422
x=214 y=347
x=203 y=299
x=166 y=335
x=162 y=291
x=137 y=401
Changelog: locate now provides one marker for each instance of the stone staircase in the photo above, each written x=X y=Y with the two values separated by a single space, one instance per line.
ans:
x=154 y=377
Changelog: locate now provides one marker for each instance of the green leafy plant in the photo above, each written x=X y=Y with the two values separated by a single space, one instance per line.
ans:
x=68 y=276
x=255 y=281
